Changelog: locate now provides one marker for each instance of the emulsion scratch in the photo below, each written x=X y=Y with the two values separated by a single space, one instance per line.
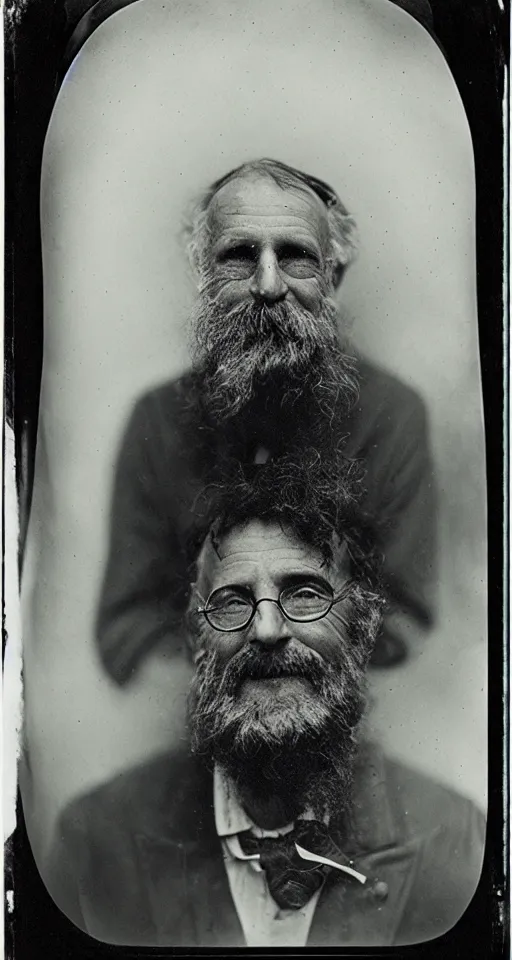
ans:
x=14 y=10
x=12 y=685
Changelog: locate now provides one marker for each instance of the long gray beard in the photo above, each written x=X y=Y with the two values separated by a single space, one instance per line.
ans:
x=280 y=351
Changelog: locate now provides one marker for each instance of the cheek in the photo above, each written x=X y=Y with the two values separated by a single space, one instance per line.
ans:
x=308 y=293
x=325 y=637
x=224 y=645
x=230 y=291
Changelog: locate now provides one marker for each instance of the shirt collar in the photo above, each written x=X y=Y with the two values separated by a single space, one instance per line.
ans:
x=230 y=816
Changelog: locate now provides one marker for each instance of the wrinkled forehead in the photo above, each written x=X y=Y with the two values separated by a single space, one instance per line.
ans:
x=257 y=553
x=256 y=201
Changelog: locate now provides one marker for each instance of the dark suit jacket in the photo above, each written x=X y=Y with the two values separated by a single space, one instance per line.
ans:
x=158 y=478
x=138 y=861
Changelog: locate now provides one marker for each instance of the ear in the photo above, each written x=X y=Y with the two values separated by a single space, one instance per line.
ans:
x=194 y=645
x=190 y=620
x=338 y=272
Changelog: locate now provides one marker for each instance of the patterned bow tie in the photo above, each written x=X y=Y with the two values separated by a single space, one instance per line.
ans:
x=297 y=863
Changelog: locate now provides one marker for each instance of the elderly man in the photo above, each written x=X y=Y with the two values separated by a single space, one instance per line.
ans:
x=271 y=374
x=276 y=824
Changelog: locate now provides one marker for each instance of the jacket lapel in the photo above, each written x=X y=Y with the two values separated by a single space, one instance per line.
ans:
x=349 y=913
x=188 y=892
x=189 y=896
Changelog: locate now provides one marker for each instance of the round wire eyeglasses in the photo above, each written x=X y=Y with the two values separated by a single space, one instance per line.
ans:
x=233 y=608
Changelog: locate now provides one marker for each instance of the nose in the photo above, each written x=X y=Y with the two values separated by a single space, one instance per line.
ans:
x=269 y=626
x=268 y=283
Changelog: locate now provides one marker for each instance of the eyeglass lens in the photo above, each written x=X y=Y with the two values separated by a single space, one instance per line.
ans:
x=229 y=610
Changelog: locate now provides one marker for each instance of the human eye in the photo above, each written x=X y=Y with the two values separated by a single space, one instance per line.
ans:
x=239 y=259
x=228 y=598
x=308 y=593
x=228 y=608
x=298 y=262
x=305 y=599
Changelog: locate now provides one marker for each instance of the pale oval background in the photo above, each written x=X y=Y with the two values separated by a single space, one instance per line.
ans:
x=163 y=98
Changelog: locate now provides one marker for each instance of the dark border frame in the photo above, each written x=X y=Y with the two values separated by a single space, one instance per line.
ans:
x=474 y=36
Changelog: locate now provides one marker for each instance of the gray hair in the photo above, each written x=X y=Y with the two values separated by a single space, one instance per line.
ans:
x=342 y=226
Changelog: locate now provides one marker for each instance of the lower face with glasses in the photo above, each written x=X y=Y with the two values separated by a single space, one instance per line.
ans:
x=263 y=586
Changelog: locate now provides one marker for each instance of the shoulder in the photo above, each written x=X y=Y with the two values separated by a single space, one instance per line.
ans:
x=96 y=871
x=447 y=830
x=157 y=794
x=162 y=423
x=170 y=391
x=421 y=805
x=388 y=426
x=166 y=400
x=384 y=395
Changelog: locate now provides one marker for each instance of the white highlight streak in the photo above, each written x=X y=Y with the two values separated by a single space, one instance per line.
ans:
x=12 y=691
x=236 y=849
x=306 y=855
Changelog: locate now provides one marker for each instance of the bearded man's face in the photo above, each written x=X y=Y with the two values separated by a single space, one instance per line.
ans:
x=268 y=245
x=265 y=316
x=276 y=685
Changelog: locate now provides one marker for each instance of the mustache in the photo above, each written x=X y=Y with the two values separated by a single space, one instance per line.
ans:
x=290 y=661
x=249 y=323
